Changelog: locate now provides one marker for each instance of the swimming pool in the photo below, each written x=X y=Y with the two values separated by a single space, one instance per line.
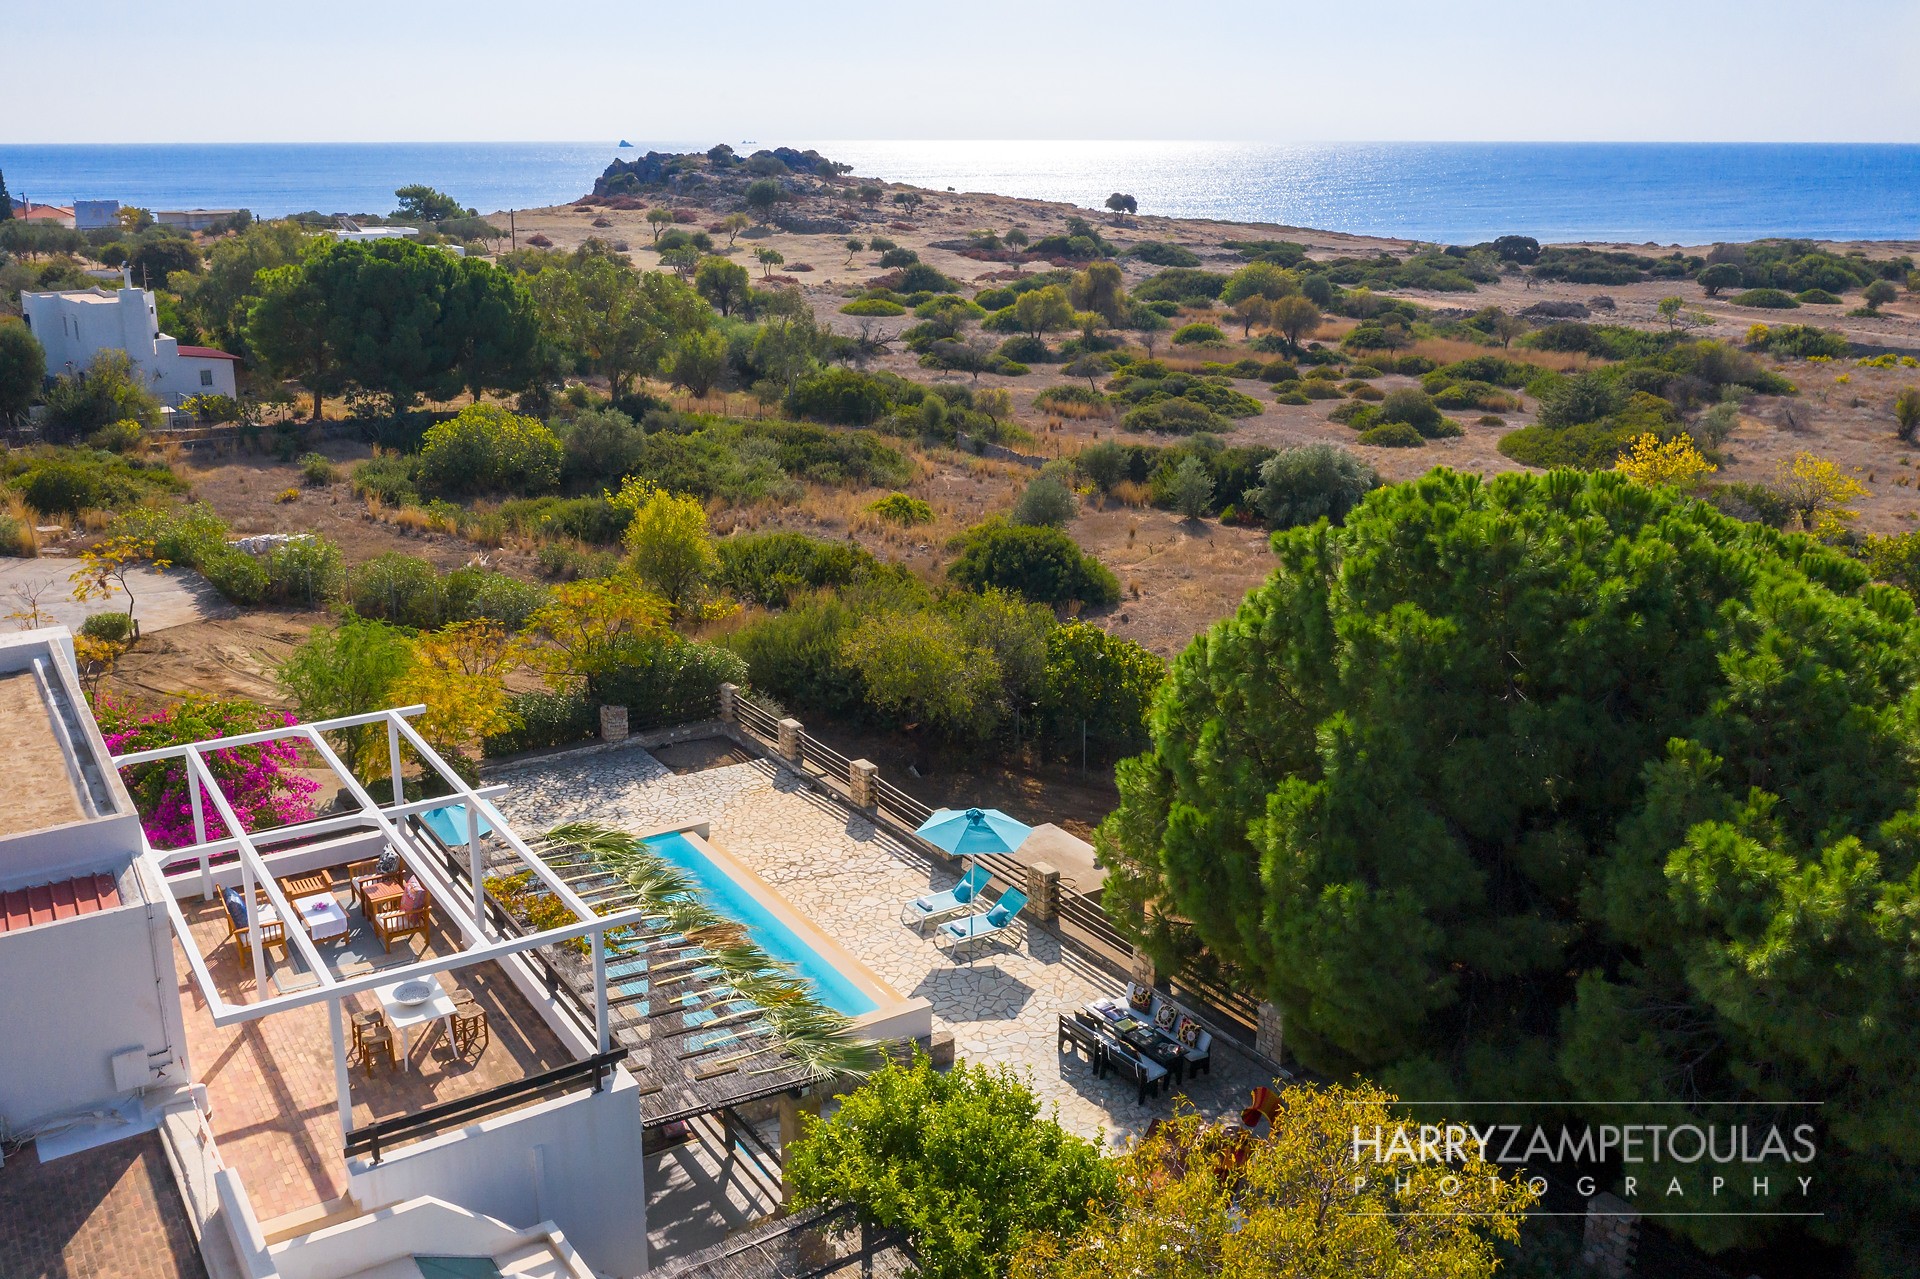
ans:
x=737 y=900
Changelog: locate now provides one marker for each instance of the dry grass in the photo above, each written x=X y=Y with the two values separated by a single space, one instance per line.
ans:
x=18 y=519
x=1129 y=493
x=1451 y=350
x=1080 y=412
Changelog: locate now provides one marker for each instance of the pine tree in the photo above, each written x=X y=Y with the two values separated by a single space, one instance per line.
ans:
x=1557 y=786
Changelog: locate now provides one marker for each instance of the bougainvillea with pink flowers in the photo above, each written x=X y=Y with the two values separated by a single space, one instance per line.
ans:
x=259 y=781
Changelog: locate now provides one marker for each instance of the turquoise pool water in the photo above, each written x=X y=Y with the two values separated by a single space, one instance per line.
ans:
x=725 y=895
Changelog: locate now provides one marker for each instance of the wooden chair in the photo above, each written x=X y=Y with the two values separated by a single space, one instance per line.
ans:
x=391 y=923
x=375 y=1043
x=273 y=933
x=469 y=1024
x=364 y=874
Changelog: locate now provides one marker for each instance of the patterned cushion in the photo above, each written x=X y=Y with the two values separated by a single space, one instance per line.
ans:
x=412 y=895
x=1189 y=1032
x=1164 y=1016
x=389 y=862
x=1139 y=997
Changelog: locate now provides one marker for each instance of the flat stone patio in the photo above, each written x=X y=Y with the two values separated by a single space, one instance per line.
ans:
x=851 y=879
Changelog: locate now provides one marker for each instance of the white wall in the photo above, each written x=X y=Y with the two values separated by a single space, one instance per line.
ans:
x=75 y=326
x=75 y=992
x=574 y=1161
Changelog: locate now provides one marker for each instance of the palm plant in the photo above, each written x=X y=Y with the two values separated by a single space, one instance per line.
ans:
x=819 y=1039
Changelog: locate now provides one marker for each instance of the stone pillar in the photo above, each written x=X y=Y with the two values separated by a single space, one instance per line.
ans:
x=730 y=703
x=613 y=723
x=789 y=743
x=1612 y=1237
x=1140 y=968
x=1266 y=1034
x=860 y=777
x=1043 y=892
x=791 y=1108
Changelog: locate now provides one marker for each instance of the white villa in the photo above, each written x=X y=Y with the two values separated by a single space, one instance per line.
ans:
x=226 y=1060
x=76 y=325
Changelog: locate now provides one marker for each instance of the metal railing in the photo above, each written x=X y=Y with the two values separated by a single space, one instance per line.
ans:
x=1083 y=923
x=458 y=1113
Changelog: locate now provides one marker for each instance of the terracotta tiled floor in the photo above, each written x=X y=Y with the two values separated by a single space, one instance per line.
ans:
x=271 y=1085
x=112 y=1212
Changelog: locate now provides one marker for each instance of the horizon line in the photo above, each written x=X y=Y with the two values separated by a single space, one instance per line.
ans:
x=1021 y=141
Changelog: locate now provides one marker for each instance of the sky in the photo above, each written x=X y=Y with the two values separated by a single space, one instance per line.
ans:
x=1278 y=71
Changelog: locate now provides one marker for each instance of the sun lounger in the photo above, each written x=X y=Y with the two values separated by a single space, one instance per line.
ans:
x=934 y=907
x=972 y=930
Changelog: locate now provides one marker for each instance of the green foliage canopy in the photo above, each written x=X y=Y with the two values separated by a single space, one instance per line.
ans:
x=1552 y=788
x=963 y=1163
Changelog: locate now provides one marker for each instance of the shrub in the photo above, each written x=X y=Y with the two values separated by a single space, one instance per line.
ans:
x=1587 y=445
x=1315 y=481
x=771 y=568
x=1044 y=502
x=317 y=469
x=235 y=574
x=1181 y=285
x=1199 y=334
x=109 y=628
x=1164 y=253
x=1817 y=297
x=486 y=449
x=1802 y=341
x=123 y=436
x=1175 y=416
x=894 y=259
x=306 y=572
x=1766 y=299
x=480 y=594
x=873 y=306
x=601 y=445
x=898 y=508
x=1392 y=435
x=110 y=389
x=1026 y=349
x=839 y=395
x=81 y=480
x=1041 y=564
x=1104 y=464
x=1415 y=408
x=922 y=278
x=666 y=680
x=546 y=719
x=388 y=477
x=398 y=588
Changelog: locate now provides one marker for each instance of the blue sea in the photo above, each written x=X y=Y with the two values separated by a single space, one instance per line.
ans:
x=1454 y=192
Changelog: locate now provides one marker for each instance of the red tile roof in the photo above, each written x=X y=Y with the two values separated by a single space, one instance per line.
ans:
x=204 y=353
x=25 y=908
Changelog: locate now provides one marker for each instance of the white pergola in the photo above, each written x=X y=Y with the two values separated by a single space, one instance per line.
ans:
x=467 y=911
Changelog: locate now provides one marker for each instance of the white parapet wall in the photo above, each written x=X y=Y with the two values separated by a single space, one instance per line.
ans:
x=575 y=1161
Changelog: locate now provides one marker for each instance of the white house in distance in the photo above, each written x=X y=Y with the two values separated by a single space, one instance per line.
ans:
x=77 y=325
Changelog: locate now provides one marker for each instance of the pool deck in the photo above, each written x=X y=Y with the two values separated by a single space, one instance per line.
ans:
x=850 y=879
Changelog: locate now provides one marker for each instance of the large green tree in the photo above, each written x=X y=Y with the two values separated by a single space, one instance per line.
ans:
x=490 y=328
x=23 y=368
x=620 y=321
x=220 y=297
x=963 y=1163
x=1557 y=788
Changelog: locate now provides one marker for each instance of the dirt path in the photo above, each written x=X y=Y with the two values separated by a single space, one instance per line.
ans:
x=223 y=657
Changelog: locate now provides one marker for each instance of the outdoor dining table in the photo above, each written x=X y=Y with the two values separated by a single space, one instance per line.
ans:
x=405 y=1016
x=321 y=916
x=1142 y=1036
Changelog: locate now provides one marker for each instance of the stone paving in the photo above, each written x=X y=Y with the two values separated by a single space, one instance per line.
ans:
x=851 y=879
x=112 y=1212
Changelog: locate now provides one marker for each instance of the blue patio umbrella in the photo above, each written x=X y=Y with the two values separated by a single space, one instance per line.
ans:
x=975 y=830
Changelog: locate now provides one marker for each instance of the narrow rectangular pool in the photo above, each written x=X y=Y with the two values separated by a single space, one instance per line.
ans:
x=738 y=902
